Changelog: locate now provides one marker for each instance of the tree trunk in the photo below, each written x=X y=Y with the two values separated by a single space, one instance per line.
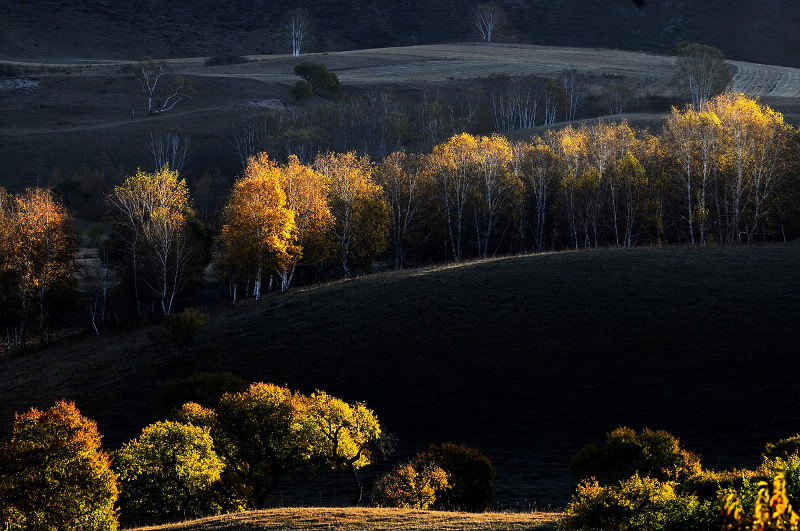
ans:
x=359 y=488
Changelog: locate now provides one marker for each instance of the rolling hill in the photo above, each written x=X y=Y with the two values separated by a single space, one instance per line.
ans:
x=528 y=358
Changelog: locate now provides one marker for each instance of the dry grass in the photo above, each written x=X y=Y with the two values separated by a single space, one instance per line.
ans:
x=365 y=519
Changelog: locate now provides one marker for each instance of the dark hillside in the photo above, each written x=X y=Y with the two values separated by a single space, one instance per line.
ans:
x=750 y=30
x=528 y=358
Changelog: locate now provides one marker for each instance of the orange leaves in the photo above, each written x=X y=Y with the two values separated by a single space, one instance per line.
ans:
x=260 y=230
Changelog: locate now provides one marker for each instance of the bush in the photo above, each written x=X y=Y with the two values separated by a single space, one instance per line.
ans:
x=790 y=468
x=10 y=70
x=318 y=76
x=770 y=512
x=53 y=474
x=302 y=91
x=708 y=483
x=636 y=503
x=655 y=454
x=471 y=477
x=783 y=448
x=226 y=59
x=183 y=327
x=204 y=388
x=412 y=485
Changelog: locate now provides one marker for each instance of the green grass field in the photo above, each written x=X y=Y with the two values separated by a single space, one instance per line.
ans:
x=528 y=358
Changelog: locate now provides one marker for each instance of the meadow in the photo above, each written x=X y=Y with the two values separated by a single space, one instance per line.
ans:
x=528 y=358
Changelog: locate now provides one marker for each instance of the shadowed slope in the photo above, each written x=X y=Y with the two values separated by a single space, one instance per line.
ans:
x=527 y=358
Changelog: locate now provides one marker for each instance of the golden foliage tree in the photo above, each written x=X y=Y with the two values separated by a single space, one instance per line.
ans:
x=259 y=432
x=54 y=475
x=341 y=435
x=260 y=233
x=360 y=212
x=38 y=250
x=306 y=195
x=167 y=469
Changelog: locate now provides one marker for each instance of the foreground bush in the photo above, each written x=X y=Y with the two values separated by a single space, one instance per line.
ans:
x=770 y=512
x=471 y=477
x=637 y=503
x=53 y=474
x=167 y=473
x=783 y=448
x=411 y=485
x=649 y=453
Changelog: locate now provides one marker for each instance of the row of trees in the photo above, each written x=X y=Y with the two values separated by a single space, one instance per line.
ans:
x=55 y=475
x=721 y=173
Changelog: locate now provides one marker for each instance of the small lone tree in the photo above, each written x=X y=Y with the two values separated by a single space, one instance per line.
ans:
x=703 y=72
x=318 y=76
x=299 y=29
x=488 y=20
x=149 y=73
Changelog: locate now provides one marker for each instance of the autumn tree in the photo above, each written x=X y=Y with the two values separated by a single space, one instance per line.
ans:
x=54 y=475
x=453 y=165
x=260 y=434
x=342 y=435
x=169 y=149
x=535 y=165
x=167 y=469
x=495 y=188
x=318 y=76
x=488 y=20
x=569 y=145
x=155 y=223
x=151 y=76
x=306 y=195
x=755 y=143
x=299 y=29
x=360 y=212
x=38 y=240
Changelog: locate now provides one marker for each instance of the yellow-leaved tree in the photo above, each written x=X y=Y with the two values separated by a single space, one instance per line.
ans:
x=360 y=211
x=259 y=231
x=152 y=214
x=306 y=195
x=342 y=436
x=38 y=249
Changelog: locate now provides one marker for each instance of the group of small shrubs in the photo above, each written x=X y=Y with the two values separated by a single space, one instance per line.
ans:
x=645 y=480
x=225 y=59
x=226 y=453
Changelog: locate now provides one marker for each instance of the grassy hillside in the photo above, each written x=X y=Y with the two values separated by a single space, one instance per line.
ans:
x=748 y=30
x=528 y=358
x=364 y=520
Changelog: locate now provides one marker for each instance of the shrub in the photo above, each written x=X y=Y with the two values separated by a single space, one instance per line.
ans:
x=9 y=70
x=636 y=503
x=168 y=471
x=302 y=91
x=471 y=477
x=183 y=327
x=204 y=388
x=790 y=469
x=318 y=76
x=650 y=453
x=412 y=485
x=783 y=448
x=770 y=512
x=225 y=59
x=707 y=484
x=53 y=474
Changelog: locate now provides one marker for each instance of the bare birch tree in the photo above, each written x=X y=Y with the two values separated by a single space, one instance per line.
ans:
x=488 y=20
x=704 y=72
x=299 y=29
x=152 y=77
x=169 y=149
